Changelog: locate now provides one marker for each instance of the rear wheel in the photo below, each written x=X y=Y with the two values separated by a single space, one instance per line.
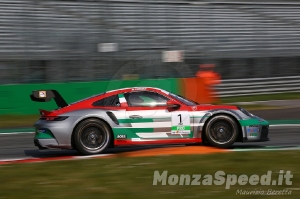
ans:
x=91 y=136
x=221 y=131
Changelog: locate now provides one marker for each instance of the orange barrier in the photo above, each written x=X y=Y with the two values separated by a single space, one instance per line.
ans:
x=201 y=88
x=198 y=90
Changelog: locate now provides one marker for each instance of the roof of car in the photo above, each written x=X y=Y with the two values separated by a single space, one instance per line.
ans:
x=138 y=89
x=116 y=91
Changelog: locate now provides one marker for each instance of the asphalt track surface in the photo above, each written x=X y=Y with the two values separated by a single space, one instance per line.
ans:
x=279 y=114
x=21 y=145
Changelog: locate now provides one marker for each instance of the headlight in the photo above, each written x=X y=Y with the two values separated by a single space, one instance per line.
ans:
x=245 y=112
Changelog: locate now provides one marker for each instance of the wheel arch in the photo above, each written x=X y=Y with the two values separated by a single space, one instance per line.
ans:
x=111 y=144
x=222 y=112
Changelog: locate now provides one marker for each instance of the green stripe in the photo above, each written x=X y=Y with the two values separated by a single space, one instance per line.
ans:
x=253 y=122
x=16 y=130
x=121 y=96
x=131 y=132
x=134 y=130
x=45 y=135
x=174 y=128
x=199 y=116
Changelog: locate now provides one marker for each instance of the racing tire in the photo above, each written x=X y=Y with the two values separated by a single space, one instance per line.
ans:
x=91 y=136
x=221 y=131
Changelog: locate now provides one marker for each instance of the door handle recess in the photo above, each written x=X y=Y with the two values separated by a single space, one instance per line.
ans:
x=135 y=116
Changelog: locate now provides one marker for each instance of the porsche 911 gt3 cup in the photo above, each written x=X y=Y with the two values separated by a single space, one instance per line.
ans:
x=139 y=116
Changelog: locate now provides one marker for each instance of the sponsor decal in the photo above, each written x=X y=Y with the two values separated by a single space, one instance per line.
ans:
x=252 y=129
x=42 y=94
x=41 y=131
x=135 y=139
x=181 y=123
x=121 y=136
x=121 y=141
x=253 y=134
x=181 y=130
x=139 y=89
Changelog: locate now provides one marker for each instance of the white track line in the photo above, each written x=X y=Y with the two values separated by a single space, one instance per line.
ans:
x=15 y=133
x=15 y=159
x=91 y=156
x=285 y=125
x=48 y=159
x=267 y=149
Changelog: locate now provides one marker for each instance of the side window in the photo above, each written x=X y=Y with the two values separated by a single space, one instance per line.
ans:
x=145 y=98
x=108 y=101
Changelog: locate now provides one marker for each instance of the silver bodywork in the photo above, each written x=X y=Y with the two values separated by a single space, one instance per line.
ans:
x=62 y=130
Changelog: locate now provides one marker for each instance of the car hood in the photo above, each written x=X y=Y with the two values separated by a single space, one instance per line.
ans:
x=211 y=107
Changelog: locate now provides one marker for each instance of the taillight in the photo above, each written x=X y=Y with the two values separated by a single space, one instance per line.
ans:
x=53 y=118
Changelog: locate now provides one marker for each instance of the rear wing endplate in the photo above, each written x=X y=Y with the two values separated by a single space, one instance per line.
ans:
x=47 y=95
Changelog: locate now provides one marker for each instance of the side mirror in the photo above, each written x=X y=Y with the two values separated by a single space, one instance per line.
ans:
x=173 y=105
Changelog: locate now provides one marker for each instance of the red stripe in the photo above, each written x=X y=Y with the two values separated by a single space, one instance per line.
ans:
x=212 y=107
x=31 y=160
x=121 y=142
x=124 y=104
x=59 y=158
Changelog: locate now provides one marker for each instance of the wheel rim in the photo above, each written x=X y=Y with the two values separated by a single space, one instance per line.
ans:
x=93 y=138
x=221 y=132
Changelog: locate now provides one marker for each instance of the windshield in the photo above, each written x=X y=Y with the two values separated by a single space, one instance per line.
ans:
x=184 y=100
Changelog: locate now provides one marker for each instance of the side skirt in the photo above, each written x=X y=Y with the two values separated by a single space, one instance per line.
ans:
x=139 y=141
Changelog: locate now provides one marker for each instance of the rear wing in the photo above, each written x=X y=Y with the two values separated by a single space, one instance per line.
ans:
x=47 y=95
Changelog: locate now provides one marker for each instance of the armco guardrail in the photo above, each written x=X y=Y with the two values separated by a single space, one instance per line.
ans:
x=257 y=86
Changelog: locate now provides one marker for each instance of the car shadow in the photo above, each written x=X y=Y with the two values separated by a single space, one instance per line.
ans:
x=49 y=153
x=36 y=153
x=60 y=153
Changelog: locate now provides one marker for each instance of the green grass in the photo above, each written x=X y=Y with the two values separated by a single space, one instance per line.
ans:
x=279 y=96
x=133 y=177
x=15 y=121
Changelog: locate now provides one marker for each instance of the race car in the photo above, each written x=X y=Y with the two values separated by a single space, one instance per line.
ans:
x=141 y=116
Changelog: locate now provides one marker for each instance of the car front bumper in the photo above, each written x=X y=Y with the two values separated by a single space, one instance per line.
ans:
x=255 y=129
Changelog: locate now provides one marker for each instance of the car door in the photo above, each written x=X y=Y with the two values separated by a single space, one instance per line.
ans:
x=150 y=118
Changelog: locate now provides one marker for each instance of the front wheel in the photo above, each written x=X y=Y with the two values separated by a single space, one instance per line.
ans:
x=221 y=131
x=91 y=136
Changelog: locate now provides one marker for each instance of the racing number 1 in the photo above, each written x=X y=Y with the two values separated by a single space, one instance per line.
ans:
x=180 y=118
